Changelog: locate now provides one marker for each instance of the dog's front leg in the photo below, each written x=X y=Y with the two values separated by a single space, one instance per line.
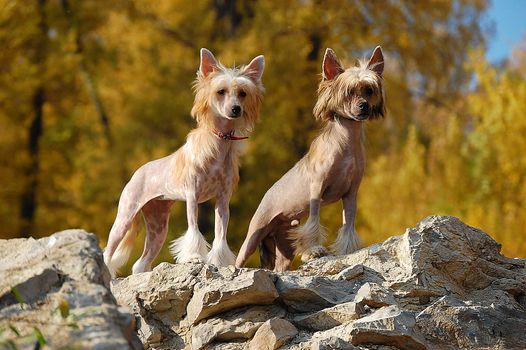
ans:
x=347 y=241
x=192 y=245
x=220 y=254
x=309 y=237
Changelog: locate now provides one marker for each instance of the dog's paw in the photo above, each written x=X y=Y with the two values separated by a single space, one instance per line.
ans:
x=192 y=259
x=314 y=252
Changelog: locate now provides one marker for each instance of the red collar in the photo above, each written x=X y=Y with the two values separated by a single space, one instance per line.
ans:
x=228 y=135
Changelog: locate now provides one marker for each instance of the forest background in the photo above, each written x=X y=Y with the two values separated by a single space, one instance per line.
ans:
x=90 y=90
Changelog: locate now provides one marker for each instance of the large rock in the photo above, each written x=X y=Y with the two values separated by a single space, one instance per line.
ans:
x=441 y=285
x=216 y=295
x=273 y=334
x=57 y=289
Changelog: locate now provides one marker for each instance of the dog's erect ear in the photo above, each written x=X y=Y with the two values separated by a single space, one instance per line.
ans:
x=208 y=62
x=376 y=63
x=254 y=70
x=331 y=67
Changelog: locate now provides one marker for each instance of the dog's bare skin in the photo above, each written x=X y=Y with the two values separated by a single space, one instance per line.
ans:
x=331 y=170
x=206 y=166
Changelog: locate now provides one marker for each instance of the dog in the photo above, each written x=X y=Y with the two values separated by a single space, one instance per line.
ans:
x=331 y=170
x=227 y=103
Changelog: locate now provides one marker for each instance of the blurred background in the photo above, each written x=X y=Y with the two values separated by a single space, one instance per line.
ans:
x=90 y=90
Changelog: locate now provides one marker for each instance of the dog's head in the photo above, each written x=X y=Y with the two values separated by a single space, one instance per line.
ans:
x=233 y=94
x=354 y=93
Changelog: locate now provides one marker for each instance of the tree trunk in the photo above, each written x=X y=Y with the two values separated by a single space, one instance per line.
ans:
x=28 y=197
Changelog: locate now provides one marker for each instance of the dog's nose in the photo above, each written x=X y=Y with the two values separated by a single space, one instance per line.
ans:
x=363 y=106
x=236 y=110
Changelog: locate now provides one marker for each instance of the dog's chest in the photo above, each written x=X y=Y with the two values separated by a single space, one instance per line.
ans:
x=342 y=174
x=216 y=176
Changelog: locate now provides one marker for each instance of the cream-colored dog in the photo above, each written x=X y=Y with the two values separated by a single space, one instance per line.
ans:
x=227 y=103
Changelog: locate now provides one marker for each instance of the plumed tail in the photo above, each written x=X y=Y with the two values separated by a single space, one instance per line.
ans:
x=124 y=249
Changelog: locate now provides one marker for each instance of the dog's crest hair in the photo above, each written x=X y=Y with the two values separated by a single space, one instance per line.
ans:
x=332 y=90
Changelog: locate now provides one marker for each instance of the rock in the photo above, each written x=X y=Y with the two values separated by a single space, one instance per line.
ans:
x=217 y=295
x=273 y=334
x=237 y=324
x=491 y=322
x=330 y=317
x=387 y=326
x=61 y=286
x=307 y=294
x=350 y=273
x=441 y=285
x=374 y=295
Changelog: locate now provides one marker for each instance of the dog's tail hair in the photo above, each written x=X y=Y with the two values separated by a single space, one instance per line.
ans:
x=124 y=249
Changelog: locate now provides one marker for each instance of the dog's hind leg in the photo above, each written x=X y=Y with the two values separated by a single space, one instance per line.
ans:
x=123 y=231
x=192 y=245
x=220 y=254
x=347 y=241
x=284 y=251
x=156 y=215
x=308 y=238
x=267 y=253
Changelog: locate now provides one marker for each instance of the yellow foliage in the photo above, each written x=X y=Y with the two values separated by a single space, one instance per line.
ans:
x=116 y=79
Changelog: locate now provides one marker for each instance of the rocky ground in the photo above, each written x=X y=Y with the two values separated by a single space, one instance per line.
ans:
x=55 y=290
x=441 y=285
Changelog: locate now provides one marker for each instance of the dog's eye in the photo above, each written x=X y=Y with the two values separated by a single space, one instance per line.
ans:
x=242 y=93
x=369 y=91
x=350 y=92
x=221 y=92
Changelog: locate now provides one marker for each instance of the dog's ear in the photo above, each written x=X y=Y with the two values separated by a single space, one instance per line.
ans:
x=331 y=67
x=376 y=62
x=208 y=62
x=254 y=70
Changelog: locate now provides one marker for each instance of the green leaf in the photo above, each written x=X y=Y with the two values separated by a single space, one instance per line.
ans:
x=40 y=337
x=18 y=296
x=13 y=328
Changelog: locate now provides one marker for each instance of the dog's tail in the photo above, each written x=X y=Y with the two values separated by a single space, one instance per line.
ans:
x=124 y=249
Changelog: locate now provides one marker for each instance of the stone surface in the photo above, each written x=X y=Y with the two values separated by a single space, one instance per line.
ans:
x=387 y=326
x=222 y=294
x=374 y=295
x=61 y=287
x=441 y=285
x=330 y=317
x=237 y=324
x=273 y=334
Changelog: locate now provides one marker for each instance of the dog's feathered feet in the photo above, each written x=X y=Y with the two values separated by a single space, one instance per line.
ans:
x=192 y=246
x=347 y=241
x=308 y=240
x=220 y=254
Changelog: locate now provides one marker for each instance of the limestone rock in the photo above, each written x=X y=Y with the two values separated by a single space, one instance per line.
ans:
x=217 y=295
x=330 y=317
x=307 y=294
x=492 y=322
x=387 y=326
x=273 y=334
x=374 y=295
x=60 y=285
x=237 y=324
x=441 y=285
